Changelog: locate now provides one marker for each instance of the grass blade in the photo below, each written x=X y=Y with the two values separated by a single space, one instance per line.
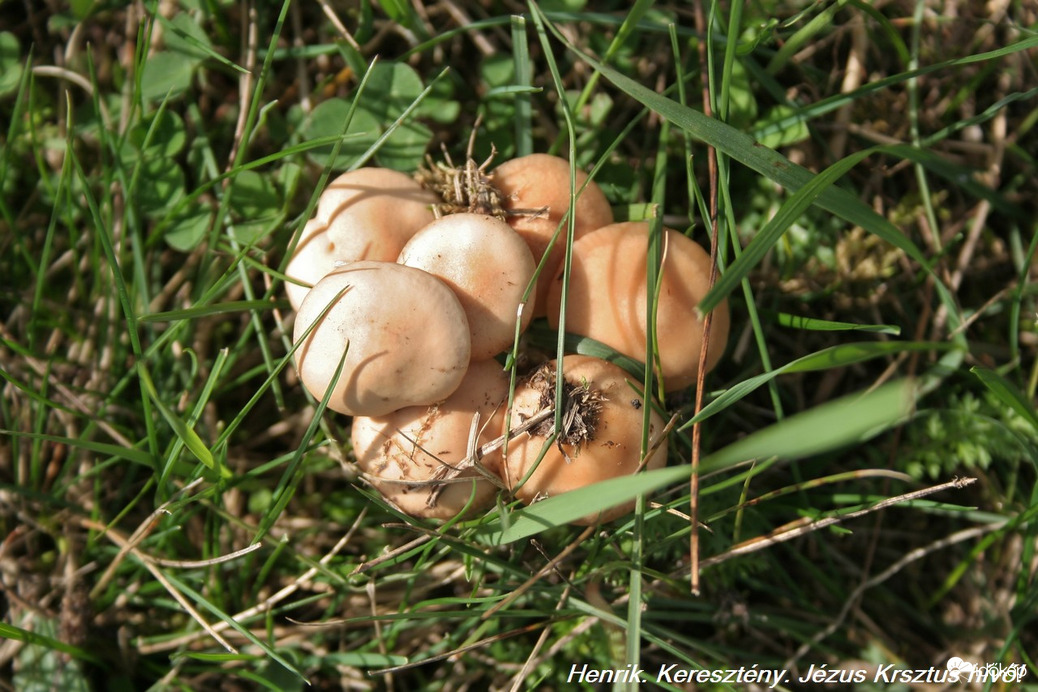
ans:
x=524 y=82
x=826 y=359
x=233 y=624
x=766 y=238
x=184 y=432
x=843 y=421
x=198 y=311
x=561 y=509
x=1008 y=394
x=8 y=631
x=115 y=451
x=814 y=324
x=769 y=163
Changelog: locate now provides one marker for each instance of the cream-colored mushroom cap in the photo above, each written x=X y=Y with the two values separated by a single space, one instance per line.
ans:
x=403 y=331
x=607 y=298
x=541 y=181
x=369 y=213
x=399 y=451
x=601 y=438
x=487 y=265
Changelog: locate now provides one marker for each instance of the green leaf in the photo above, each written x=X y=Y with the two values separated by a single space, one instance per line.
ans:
x=159 y=186
x=289 y=177
x=365 y=23
x=819 y=325
x=793 y=127
x=400 y=11
x=38 y=668
x=10 y=63
x=187 y=227
x=159 y=135
x=522 y=115
x=327 y=120
x=405 y=149
x=391 y=88
x=562 y=509
x=403 y=120
x=165 y=73
x=742 y=101
x=82 y=9
x=439 y=107
x=1008 y=394
x=498 y=71
x=184 y=35
x=845 y=421
x=257 y=205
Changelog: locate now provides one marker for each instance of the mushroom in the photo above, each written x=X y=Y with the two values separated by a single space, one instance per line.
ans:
x=600 y=439
x=418 y=457
x=487 y=265
x=535 y=196
x=607 y=298
x=369 y=213
x=403 y=332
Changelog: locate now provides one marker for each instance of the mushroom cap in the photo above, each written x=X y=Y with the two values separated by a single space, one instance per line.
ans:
x=612 y=449
x=418 y=442
x=537 y=181
x=404 y=333
x=487 y=265
x=607 y=298
x=366 y=214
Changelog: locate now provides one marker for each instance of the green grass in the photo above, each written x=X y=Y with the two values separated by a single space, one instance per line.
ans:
x=177 y=513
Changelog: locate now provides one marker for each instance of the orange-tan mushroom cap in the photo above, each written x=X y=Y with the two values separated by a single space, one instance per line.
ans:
x=366 y=214
x=611 y=414
x=403 y=332
x=607 y=298
x=542 y=182
x=402 y=452
x=487 y=265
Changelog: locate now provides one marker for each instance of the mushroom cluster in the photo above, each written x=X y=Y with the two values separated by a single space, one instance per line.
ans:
x=408 y=291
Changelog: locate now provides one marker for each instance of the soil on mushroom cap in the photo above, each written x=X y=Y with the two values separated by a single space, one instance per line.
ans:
x=581 y=407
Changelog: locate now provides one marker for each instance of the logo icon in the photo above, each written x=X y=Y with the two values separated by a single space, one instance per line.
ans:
x=958 y=668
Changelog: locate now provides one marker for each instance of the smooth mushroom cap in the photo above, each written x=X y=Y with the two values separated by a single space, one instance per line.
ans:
x=487 y=265
x=421 y=443
x=405 y=331
x=613 y=448
x=541 y=181
x=369 y=214
x=607 y=298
